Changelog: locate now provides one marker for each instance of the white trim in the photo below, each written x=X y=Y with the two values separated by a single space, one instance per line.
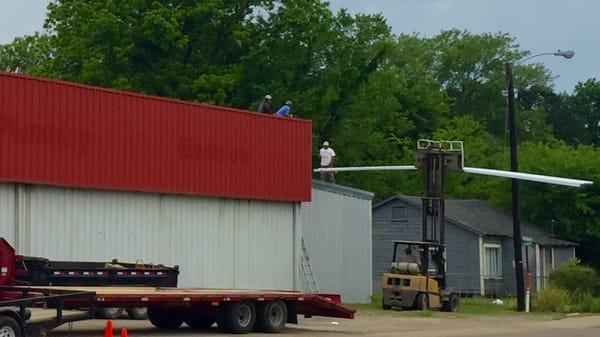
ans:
x=495 y=246
x=538 y=284
x=573 y=250
x=553 y=258
x=481 y=279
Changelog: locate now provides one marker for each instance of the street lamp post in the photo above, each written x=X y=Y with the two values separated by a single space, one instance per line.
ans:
x=514 y=166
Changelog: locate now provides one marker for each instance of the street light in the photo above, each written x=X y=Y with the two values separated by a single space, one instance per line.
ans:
x=517 y=238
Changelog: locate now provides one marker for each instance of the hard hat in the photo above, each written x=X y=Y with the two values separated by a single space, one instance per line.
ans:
x=268 y=97
x=325 y=143
x=288 y=103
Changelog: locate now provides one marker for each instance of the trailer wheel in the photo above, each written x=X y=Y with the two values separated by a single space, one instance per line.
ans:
x=140 y=313
x=421 y=302
x=9 y=327
x=271 y=316
x=165 y=318
x=238 y=317
x=110 y=313
x=199 y=321
x=452 y=304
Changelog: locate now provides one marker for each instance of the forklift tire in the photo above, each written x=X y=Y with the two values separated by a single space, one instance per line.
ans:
x=421 y=302
x=238 y=317
x=140 y=313
x=110 y=313
x=452 y=304
x=9 y=327
x=168 y=319
x=199 y=321
x=271 y=316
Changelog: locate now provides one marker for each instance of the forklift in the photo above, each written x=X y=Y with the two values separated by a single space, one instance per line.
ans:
x=419 y=280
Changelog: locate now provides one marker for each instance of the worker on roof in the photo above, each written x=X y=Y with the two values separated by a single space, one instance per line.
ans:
x=327 y=156
x=284 y=111
x=265 y=106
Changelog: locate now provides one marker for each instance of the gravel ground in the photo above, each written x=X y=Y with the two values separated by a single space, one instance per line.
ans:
x=382 y=325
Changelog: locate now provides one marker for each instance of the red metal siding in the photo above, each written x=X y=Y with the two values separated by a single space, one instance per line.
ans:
x=59 y=133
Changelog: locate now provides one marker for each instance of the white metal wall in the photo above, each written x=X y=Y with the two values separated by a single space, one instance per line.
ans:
x=337 y=232
x=216 y=242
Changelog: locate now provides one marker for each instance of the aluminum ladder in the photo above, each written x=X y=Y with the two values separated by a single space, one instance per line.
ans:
x=307 y=270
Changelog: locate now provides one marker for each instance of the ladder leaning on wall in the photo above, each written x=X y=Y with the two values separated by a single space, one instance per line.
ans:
x=307 y=270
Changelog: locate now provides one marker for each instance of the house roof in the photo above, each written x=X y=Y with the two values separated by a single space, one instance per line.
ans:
x=340 y=189
x=483 y=219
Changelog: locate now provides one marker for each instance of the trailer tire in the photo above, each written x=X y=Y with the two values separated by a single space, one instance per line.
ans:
x=140 y=313
x=9 y=327
x=110 y=313
x=168 y=319
x=421 y=302
x=238 y=317
x=271 y=316
x=199 y=321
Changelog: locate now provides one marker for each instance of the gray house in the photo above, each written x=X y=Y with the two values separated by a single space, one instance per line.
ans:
x=480 y=258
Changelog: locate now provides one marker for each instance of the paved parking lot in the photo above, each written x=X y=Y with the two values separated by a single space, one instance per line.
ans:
x=382 y=325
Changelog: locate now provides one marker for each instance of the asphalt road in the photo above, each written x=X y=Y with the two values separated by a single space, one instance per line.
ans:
x=381 y=325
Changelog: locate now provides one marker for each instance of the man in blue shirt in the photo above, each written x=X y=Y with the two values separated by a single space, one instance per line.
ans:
x=284 y=111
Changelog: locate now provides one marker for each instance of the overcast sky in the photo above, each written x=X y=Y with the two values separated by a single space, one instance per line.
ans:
x=538 y=25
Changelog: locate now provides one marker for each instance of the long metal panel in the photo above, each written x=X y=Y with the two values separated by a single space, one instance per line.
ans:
x=217 y=242
x=59 y=133
x=337 y=232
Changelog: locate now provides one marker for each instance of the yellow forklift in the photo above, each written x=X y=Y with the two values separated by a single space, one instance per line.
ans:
x=419 y=280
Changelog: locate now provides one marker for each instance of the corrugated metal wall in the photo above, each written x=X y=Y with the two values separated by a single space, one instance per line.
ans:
x=217 y=242
x=65 y=134
x=337 y=232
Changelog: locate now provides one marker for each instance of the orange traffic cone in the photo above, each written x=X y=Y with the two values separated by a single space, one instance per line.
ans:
x=108 y=330
x=124 y=332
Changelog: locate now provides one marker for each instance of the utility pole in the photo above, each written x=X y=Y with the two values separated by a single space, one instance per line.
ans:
x=514 y=166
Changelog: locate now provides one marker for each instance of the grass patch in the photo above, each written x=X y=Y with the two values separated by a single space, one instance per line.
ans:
x=469 y=306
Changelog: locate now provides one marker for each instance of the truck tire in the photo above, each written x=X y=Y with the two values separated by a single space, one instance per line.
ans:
x=271 y=316
x=199 y=321
x=110 y=313
x=9 y=327
x=421 y=302
x=169 y=319
x=140 y=313
x=452 y=304
x=238 y=317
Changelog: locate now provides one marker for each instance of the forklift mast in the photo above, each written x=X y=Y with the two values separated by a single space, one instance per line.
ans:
x=433 y=158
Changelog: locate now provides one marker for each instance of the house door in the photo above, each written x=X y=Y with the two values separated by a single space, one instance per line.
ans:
x=548 y=263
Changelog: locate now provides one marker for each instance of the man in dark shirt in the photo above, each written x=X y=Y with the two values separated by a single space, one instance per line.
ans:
x=265 y=105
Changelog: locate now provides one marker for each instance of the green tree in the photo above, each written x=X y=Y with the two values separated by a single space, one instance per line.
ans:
x=178 y=48
x=28 y=54
x=584 y=109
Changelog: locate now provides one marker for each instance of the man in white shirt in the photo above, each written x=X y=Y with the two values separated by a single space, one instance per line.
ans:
x=327 y=156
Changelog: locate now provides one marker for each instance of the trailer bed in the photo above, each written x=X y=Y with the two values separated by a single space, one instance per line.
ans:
x=308 y=304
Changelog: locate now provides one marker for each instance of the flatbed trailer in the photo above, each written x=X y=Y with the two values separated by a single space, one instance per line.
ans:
x=233 y=310
x=24 y=309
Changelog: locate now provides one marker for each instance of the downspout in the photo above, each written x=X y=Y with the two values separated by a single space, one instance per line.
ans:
x=481 y=279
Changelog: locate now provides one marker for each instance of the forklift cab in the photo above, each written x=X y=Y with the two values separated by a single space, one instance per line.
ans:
x=416 y=279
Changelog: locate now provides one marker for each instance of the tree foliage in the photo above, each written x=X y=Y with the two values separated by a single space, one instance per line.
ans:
x=370 y=92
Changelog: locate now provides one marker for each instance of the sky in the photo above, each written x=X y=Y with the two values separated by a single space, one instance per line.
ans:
x=538 y=25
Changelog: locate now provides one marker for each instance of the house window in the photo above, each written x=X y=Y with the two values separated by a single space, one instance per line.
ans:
x=492 y=261
x=399 y=213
